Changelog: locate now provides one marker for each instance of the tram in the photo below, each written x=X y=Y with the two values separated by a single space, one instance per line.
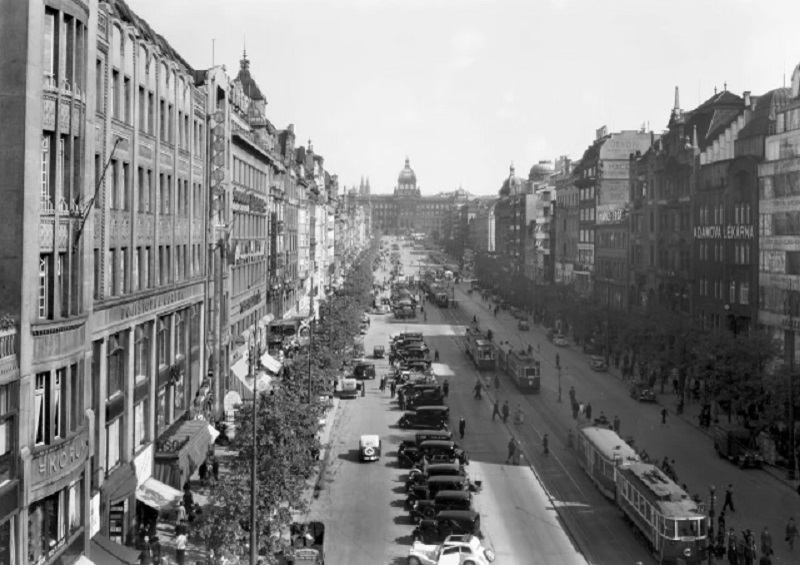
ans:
x=600 y=452
x=667 y=517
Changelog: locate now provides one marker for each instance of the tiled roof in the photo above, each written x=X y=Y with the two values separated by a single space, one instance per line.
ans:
x=764 y=105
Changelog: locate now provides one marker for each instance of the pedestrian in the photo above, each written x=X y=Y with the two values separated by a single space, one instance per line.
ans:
x=155 y=549
x=572 y=394
x=791 y=533
x=401 y=399
x=546 y=444
x=180 y=548
x=496 y=410
x=616 y=424
x=475 y=319
x=462 y=427
x=749 y=548
x=215 y=467
x=588 y=411
x=728 y=499
x=530 y=350
x=496 y=383
x=663 y=416
x=446 y=388
x=436 y=356
x=538 y=348
x=558 y=361
x=393 y=387
x=181 y=513
x=506 y=411
x=733 y=548
x=478 y=389
x=382 y=385
x=721 y=521
x=675 y=385
x=202 y=471
x=512 y=450
x=575 y=408
x=766 y=542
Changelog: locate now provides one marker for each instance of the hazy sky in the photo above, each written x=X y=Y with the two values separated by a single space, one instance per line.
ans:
x=464 y=87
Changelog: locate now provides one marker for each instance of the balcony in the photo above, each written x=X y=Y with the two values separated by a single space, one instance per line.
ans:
x=9 y=363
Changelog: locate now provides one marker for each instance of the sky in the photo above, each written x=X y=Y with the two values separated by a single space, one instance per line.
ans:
x=464 y=88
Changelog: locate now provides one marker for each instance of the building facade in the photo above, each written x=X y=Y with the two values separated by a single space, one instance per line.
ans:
x=566 y=224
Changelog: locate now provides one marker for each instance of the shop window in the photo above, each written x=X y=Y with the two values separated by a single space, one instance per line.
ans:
x=113 y=443
x=47 y=525
x=9 y=401
x=161 y=409
x=116 y=522
x=41 y=403
x=8 y=549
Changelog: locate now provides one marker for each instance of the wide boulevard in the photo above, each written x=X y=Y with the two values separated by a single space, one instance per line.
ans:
x=545 y=510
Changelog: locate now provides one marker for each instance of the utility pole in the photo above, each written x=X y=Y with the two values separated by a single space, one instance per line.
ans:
x=254 y=359
x=792 y=474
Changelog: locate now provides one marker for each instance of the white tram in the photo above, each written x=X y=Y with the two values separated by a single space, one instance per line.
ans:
x=600 y=452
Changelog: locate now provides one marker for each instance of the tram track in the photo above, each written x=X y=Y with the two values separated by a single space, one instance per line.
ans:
x=569 y=491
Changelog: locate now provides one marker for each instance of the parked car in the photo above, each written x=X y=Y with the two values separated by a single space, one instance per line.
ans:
x=737 y=445
x=523 y=325
x=378 y=351
x=448 y=523
x=425 y=398
x=364 y=371
x=444 y=500
x=429 y=417
x=428 y=490
x=598 y=363
x=420 y=476
x=560 y=340
x=369 y=448
x=457 y=549
x=642 y=393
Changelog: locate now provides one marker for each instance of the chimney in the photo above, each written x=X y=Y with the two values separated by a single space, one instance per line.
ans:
x=291 y=128
x=747 y=99
x=677 y=99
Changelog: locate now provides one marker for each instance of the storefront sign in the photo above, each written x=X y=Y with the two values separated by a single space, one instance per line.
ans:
x=60 y=460
x=152 y=304
x=143 y=463
x=248 y=303
x=724 y=232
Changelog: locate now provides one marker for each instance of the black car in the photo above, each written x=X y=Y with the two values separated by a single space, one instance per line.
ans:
x=364 y=371
x=433 y=447
x=446 y=523
x=443 y=501
x=419 y=437
x=421 y=476
x=425 y=398
x=428 y=490
x=426 y=417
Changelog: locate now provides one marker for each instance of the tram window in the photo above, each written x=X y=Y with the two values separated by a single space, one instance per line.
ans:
x=669 y=528
x=688 y=528
x=649 y=514
x=703 y=526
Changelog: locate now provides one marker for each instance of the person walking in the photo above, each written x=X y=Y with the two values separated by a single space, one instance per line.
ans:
x=512 y=450
x=572 y=394
x=506 y=411
x=478 y=389
x=401 y=399
x=575 y=408
x=446 y=388
x=546 y=444
x=436 y=356
x=496 y=410
x=202 y=471
x=728 y=499
x=215 y=468
x=616 y=424
x=181 y=518
x=393 y=388
x=496 y=383
x=791 y=533
x=462 y=427
x=733 y=548
x=721 y=521
x=180 y=548
x=519 y=418
x=382 y=384
x=766 y=542
x=588 y=411
x=663 y=416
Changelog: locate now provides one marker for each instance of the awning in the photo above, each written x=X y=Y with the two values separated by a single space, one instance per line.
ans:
x=156 y=494
x=121 y=484
x=103 y=550
x=180 y=451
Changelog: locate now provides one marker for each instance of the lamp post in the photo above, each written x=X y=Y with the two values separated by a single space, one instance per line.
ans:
x=559 y=383
x=254 y=356
x=712 y=498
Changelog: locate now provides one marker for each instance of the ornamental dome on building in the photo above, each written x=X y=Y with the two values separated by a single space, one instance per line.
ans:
x=513 y=184
x=407 y=181
x=540 y=171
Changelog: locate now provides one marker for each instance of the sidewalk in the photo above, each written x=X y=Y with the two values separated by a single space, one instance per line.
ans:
x=691 y=415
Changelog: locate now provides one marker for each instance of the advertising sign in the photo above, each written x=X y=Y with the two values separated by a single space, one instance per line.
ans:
x=616 y=192
x=616 y=169
x=621 y=145
x=609 y=213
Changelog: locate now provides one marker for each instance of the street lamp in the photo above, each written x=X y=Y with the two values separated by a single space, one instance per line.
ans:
x=254 y=357
x=712 y=498
x=559 y=382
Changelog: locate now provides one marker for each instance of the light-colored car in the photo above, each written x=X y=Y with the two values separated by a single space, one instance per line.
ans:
x=598 y=363
x=369 y=448
x=560 y=340
x=455 y=550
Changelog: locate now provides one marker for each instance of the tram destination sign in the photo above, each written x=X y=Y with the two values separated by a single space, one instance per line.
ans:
x=735 y=231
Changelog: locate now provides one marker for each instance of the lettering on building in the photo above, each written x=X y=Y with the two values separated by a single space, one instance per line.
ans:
x=152 y=303
x=724 y=232
x=251 y=201
x=248 y=303
x=60 y=459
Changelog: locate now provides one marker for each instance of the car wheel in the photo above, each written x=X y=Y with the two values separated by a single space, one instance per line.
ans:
x=414 y=561
x=469 y=563
x=428 y=512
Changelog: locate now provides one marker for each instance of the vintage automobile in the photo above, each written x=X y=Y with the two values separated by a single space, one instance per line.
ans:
x=455 y=550
x=428 y=490
x=598 y=363
x=369 y=447
x=433 y=447
x=560 y=340
x=378 y=351
x=523 y=325
x=444 y=500
x=425 y=398
x=426 y=417
x=642 y=392
x=448 y=523
x=736 y=444
x=419 y=476
x=419 y=437
x=364 y=371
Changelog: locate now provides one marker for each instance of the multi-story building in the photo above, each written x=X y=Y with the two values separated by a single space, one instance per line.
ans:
x=48 y=425
x=511 y=211
x=542 y=266
x=611 y=273
x=482 y=228
x=566 y=222
x=406 y=211
x=779 y=225
x=291 y=204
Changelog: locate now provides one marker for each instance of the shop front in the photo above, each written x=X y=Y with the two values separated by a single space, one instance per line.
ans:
x=181 y=450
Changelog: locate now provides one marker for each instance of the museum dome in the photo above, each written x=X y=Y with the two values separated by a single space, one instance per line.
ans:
x=407 y=175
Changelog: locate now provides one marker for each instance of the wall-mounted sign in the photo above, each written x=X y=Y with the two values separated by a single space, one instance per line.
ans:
x=724 y=232
x=61 y=459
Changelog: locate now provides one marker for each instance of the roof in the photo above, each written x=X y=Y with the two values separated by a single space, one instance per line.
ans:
x=765 y=105
x=672 y=501
x=373 y=439
x=609 y=444
x=123 y=11
x=712 y=117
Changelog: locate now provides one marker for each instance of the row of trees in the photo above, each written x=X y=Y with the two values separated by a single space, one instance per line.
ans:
x=743 y=372
x=287 y=430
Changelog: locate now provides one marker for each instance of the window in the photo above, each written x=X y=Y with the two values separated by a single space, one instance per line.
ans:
x=59 y=414
x=48 y=525
x=115 y=358
x=75 y=397
x=163 y=343
x=744 y=293
x=142 y=110
x=732 y=292
x=113 y=443
x=9 y=401
x=125 y=188
x=141 y=359
x=46 y=202
x=140 y=411
x=113 y=98
x=126 y=112
x=147 y=270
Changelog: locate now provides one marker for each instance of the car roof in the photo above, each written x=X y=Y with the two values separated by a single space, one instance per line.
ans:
x=437 y=443
x=439 y=408
x=470 y=514
x=370 y=438
x=453 y=494
x=446 y=479
x=437 y=466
